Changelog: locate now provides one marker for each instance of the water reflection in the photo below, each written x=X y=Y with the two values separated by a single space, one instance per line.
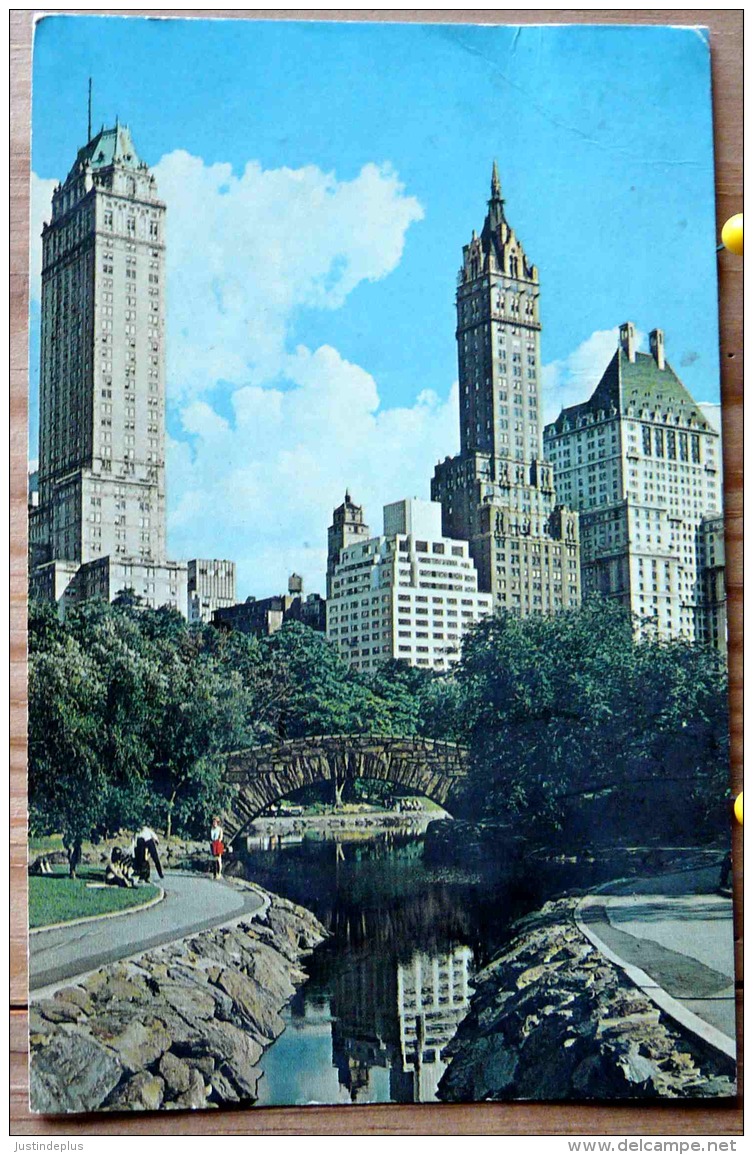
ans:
x=389 y=988
x=399 y=1018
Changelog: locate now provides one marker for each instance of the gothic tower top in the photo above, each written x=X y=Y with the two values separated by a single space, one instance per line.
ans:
x=497 y=250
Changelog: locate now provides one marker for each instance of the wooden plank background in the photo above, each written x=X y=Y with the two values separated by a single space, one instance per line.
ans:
x=699 y=1118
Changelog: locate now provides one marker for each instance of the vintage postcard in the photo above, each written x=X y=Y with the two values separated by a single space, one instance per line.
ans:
x=378 y=736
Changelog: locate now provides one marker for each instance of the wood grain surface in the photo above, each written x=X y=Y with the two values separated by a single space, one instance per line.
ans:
x=699 y=1118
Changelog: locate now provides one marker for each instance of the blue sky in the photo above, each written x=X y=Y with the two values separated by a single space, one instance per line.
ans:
x=321 y=180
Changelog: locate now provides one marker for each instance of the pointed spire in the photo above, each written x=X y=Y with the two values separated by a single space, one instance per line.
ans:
x=496 y=185
x=496 y=202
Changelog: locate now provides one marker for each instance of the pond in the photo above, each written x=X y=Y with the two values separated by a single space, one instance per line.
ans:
x=388 y=989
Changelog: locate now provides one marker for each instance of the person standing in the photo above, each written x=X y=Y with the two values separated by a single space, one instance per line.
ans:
x=217 y=846
x=144 y=847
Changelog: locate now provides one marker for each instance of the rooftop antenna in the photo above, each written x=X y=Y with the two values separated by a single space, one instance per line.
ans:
x=90 y=112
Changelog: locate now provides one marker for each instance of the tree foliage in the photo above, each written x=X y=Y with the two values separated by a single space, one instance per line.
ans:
x=572 y=706
x=132 y=713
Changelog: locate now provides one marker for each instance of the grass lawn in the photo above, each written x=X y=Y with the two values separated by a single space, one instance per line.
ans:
x=58 y=898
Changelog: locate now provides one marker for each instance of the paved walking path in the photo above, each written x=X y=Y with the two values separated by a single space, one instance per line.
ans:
x=192 y=903
x=673 y=936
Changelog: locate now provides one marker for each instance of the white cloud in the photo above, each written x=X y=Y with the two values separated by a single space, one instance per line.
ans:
x=246 y=253
x=268 y=454
x=713 y=413
x=40 y=210
x=262 y=486
x=574 y=378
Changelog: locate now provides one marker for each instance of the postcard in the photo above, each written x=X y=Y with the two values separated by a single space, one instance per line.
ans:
x=377 y=612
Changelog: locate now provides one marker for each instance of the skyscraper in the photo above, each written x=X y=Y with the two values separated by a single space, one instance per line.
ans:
x=642 y=464
x=498 y=493
x=99 y=525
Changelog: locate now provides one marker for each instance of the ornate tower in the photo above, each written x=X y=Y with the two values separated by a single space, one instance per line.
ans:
x=348 y=525
x=498 y=341
x=498 y=494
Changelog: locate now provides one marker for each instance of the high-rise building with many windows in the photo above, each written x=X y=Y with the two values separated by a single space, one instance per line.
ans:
x=642 y=464
x=498 y=494
x=99 y=522
x=409 y=595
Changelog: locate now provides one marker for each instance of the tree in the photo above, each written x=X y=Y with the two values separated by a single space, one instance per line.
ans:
x=318 y=693
x=68 y=783
x=569 y=707
x=400 y=688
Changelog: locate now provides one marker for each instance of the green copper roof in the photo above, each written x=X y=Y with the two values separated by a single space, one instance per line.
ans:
x=638 y=384
x=109 y=146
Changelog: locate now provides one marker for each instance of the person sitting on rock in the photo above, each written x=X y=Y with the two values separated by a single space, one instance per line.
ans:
x=121 y=870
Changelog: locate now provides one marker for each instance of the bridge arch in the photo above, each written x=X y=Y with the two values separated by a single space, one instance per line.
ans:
x=265 y=774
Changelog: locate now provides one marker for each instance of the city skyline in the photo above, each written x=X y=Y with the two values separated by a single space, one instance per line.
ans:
x=285 y=365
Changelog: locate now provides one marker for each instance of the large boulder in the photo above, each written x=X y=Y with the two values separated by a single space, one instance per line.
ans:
x=72 y=1073
x=196 y=1094
x=140 y=1044
x=176 y=1073
x=253 y=1005
x=142 y=1092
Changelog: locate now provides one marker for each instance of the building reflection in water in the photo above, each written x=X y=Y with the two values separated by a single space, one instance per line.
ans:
x=399 y=1017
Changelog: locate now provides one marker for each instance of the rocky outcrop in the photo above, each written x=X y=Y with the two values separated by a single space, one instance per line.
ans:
x=182 y=1026
x=552 y=1019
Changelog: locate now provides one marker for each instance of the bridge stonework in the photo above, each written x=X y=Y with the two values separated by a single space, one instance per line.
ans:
x=265 y=774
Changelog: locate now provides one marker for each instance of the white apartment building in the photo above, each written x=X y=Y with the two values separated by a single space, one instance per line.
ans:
x=410 y=594
x=642 y=464
x=211 y=586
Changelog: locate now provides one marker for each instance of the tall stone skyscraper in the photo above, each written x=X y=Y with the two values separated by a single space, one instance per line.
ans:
x=498 y=493
x=99 y=525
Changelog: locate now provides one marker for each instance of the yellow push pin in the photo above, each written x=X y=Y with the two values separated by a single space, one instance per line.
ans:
x=739 y=808
x=732 y=235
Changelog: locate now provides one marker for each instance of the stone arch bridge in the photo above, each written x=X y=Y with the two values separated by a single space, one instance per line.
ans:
x=264 y=774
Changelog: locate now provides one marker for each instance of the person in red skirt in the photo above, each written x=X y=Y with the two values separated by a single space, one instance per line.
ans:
x=217 y=846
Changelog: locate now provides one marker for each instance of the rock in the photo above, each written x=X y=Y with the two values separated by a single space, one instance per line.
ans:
x=142 y=1092
x=139 y=1045
x=72 y=1073
x=176 y=1073
x=637 y=1068
x=226 y=1043
x=191 y=999
x=484 y=1072
x=222 y=1089
x=265 y=969
x=252 y=1004
x=121 y=989
x=184 y=1025
x=59 y=1011
x=550 y=1018
x=76 y=996
x=295 y=927
x=204 y=1064
x=196 y=1095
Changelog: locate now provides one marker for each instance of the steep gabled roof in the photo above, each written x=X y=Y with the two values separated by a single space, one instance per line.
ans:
x=109 y=146
x=637 y=385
